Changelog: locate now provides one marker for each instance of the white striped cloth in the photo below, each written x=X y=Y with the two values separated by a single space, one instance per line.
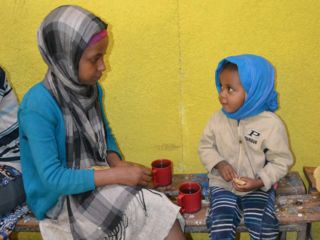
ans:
x=9 y=131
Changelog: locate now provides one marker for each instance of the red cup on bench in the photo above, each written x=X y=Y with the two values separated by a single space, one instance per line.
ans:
x=161 y=172
x=189 y=198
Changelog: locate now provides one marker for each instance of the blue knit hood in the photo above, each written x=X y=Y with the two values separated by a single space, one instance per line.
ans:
x=257 y=78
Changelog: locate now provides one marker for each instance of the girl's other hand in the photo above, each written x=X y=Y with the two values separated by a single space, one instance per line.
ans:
x=248 y=185
x=114 y=161
x=226 y=171
x=123 y=163
x=123 y=173
x=134 y=174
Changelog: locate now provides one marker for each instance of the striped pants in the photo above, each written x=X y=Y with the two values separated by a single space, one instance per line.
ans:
x=226 y=210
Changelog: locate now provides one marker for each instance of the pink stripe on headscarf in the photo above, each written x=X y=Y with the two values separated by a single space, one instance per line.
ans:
x=98 y=36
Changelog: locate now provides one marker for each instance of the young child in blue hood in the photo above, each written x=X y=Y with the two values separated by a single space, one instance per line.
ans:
x=245 y=149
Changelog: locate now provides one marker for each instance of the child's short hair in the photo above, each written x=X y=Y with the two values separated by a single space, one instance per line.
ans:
x=229 y=66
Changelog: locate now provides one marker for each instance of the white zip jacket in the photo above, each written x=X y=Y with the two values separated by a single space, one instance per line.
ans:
x=257 y=147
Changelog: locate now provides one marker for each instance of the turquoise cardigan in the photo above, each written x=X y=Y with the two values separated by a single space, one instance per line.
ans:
x=43 y=152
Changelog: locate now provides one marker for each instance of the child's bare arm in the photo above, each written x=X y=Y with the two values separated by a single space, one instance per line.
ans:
x=226 y=171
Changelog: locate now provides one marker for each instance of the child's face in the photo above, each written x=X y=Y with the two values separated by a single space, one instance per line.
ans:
x=91 y=65
x=232 y=94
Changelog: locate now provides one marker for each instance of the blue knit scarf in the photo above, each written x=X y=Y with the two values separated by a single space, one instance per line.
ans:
x=257 y=78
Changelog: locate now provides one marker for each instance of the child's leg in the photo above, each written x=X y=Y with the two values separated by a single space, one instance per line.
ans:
x=259 y=215
x=224 y=214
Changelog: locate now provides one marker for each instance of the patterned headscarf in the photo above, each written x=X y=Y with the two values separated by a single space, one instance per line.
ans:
x=62 y=38
x=257 y=78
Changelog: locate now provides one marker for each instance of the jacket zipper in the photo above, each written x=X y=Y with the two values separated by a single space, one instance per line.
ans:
x=240 y=149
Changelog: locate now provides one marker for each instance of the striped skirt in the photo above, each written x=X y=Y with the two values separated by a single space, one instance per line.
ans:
x=226 y=210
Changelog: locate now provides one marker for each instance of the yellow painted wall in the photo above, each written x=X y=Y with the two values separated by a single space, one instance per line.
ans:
x=159 y=85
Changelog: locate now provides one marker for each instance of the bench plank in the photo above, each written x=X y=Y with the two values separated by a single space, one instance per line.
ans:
x=291 y=184
x=299 y=209
x=27 y=224
x=295 y=210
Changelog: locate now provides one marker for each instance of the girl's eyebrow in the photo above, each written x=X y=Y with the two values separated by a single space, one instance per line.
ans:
x=96 y=55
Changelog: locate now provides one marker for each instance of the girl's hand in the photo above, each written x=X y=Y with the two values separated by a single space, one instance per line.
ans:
x=123 y=163
x=114 y=161
x=226 y=171
x=248 y=185
x=130 y=175
x=133 y=175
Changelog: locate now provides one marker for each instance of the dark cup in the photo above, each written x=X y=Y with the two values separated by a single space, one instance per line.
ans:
x=189 y=198
x=161 y=172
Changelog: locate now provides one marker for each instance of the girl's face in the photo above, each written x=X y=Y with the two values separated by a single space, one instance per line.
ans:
x=232 y=94
x=91 y=65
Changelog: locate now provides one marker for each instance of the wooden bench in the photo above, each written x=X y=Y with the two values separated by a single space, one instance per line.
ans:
x=291 y=184
x=294 y=212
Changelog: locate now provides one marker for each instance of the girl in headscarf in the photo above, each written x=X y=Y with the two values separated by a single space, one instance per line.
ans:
x=64 y=133
x=245 y=149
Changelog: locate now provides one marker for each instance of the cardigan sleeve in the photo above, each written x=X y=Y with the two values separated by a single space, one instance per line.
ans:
x=278 y=155
x=41 y=159
x=208 y=151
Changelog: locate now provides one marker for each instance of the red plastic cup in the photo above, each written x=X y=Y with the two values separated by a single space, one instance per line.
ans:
x=161 y=172
x=189 y=198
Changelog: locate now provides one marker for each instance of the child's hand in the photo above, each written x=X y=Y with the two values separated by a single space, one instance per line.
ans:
x=226 y=171
x=247 y=184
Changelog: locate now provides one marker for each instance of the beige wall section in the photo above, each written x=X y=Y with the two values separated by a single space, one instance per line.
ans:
x=162 y=57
